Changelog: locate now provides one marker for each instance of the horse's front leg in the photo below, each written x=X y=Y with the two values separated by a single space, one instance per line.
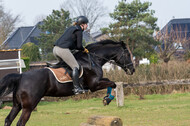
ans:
x=106 y=83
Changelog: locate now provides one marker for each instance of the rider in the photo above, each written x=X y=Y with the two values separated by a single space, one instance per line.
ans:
x=72 y=40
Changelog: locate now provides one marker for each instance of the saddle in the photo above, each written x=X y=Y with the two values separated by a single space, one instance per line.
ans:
x=62 y=72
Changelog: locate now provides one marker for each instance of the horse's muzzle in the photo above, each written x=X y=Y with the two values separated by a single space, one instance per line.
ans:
x=130 y=71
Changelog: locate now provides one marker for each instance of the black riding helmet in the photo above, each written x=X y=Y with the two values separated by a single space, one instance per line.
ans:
x=82 y=20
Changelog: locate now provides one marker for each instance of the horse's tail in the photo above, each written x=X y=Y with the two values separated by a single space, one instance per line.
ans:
x=9 y=83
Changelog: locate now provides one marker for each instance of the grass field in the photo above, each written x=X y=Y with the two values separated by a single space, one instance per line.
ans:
x=154 y=110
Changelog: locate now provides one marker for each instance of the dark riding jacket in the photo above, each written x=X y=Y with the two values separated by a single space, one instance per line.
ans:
x=71 y=38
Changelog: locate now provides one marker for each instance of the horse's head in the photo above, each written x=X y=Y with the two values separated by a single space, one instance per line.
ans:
x=107 y=50
x=123 y=59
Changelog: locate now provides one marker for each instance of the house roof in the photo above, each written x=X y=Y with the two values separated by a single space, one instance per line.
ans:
x=183 y=25
x=34 y=33
x=96 y=34
x=14 y=41
x=87 y=37
x=21 y=36
x=179 y=21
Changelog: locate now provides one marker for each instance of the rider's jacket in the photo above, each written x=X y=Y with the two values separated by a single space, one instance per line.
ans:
x=71 y=38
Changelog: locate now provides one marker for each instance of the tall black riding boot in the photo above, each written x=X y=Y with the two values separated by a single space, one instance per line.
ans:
x=75 y=77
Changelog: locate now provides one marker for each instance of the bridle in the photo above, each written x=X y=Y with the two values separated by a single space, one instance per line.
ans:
x=115 y=62
x=125 y=64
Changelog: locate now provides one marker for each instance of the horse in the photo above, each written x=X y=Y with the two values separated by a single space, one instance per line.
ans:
x=29 y=87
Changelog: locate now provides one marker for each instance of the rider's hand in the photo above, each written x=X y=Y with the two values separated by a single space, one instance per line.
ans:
x=86 y=50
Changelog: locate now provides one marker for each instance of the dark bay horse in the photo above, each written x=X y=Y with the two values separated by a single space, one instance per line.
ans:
x=29 y=87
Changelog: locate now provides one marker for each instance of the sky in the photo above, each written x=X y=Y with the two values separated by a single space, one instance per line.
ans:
x=29 y=10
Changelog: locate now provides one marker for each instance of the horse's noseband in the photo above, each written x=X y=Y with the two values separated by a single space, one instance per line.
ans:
x=125 y=65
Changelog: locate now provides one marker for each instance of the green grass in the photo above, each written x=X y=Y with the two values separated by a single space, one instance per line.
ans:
x=154 y=110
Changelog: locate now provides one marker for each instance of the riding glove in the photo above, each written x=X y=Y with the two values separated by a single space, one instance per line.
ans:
x=86 y=50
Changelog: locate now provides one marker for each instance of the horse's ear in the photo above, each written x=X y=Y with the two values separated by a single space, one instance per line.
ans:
x=123 y=44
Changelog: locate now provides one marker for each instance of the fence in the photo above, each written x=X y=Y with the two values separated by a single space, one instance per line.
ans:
x=10 y=62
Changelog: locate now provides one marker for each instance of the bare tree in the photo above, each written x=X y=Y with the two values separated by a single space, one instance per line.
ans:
x=171 y=39
x=1 y=9
x=7 y=23
x=39 y=18
x=92 y=9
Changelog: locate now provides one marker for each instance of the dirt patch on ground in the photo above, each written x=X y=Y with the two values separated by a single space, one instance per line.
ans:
x=7 y=107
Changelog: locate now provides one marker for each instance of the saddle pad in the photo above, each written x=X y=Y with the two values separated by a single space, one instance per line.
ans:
x=60 y=75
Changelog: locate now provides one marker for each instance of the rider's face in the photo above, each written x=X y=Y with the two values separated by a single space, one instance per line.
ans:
x=84 y=26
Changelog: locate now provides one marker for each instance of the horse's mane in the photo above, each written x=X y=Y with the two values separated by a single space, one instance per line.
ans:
x=103 y=43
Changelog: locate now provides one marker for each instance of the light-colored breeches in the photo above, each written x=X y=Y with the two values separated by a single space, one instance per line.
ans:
x=65 y=55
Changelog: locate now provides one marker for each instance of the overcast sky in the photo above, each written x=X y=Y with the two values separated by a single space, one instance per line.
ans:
x=31 y=9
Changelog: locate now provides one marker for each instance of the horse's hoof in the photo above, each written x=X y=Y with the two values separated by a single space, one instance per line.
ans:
x=104 y=102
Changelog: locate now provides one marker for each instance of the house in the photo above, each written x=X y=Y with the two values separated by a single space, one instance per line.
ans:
x=87 y=36
x=181 y=26
x=98 y=36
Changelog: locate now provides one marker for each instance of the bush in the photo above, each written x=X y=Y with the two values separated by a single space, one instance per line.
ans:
x=50 y=57
x=154 y=58
x=153 y=72
x=27 y=64
x=31 y=50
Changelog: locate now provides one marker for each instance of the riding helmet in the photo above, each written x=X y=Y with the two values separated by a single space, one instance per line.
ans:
x=82 y=20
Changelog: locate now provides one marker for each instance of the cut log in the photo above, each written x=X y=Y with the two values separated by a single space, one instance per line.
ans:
x=86 y=124
x=104 y=121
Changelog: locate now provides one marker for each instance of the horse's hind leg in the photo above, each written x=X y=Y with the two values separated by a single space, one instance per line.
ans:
x=28 y=105
x=26 y=112
x=15 y=110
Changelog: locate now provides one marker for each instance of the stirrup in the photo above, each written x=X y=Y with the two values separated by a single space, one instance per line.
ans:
x=78 y=91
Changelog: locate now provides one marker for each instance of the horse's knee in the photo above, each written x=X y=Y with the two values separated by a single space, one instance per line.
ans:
x=113 y=85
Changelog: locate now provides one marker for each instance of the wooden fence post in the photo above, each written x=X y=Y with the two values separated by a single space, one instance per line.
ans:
x=119 y=94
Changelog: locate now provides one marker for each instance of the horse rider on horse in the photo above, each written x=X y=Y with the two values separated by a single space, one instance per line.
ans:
x=72 y=40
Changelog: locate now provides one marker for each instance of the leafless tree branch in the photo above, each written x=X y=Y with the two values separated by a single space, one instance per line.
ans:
x=7 y=23
x=92 y=9
x=171 y=40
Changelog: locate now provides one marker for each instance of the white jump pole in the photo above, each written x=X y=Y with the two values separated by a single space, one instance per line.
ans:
x=19 y=57
x=119 y=94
